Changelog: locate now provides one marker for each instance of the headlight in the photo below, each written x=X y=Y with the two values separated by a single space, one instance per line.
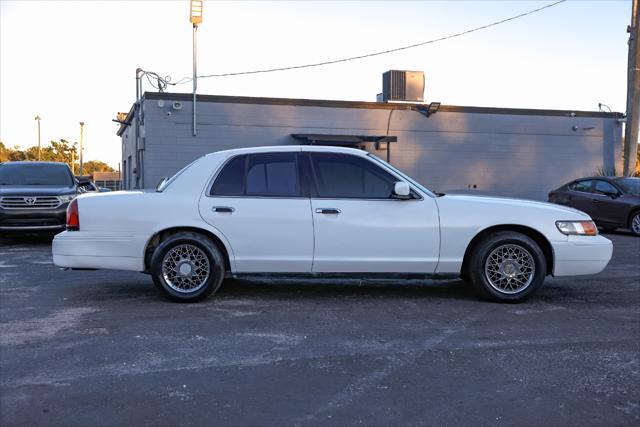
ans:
x=66 y=198
x=579 y=228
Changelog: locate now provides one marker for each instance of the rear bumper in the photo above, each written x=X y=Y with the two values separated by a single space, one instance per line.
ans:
x=77 y=249
x=39 y=219
x=581 y=255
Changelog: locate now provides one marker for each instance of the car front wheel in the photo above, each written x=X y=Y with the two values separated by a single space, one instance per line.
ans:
x=187 y=267
x=507 y=267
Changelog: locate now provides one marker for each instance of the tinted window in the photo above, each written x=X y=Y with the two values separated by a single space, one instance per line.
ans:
x=584 y=186
x=272 y=174
x=345 y=176
x=53 y=175
x=268 y=174
x=230 y=181
x=603 y=187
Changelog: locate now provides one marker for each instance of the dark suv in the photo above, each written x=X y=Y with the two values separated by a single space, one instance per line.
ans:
x=34 y=196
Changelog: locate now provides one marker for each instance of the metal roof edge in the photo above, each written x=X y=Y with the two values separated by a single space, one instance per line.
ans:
x=375 y=105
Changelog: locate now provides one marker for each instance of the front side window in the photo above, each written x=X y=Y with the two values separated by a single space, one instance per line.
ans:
x=346 y=176
x=603 y=187
x=583 y=186
x=263 y=175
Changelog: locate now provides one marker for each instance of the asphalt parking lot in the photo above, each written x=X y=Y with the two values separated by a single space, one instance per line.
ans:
x=104 y=348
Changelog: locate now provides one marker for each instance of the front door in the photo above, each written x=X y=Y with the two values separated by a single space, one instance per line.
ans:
x=256 y=203
x=608 y=208
x=360 y=227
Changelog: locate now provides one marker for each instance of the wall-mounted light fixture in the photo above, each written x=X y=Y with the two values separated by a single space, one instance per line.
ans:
x=430 y=109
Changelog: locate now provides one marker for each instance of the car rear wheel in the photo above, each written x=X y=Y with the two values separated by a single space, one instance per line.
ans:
x=507 y=267
x=634 y=224
x=187 y=267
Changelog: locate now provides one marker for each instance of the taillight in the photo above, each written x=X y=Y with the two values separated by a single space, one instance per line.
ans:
x=73 y=217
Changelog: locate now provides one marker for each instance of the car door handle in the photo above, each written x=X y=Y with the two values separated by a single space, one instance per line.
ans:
x=328 y=211
x=226 y=209
x=596 y=201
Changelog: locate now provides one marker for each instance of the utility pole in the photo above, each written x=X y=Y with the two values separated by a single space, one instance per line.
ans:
x=195 y=17
x=633 y=94
x=37 y=119
x=81 y=147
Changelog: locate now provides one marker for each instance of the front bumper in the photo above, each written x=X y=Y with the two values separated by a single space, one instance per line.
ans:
x=36 y=219
x=581 y=255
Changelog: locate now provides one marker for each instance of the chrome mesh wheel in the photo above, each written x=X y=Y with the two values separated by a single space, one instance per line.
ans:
x=509 y=268
x=635 y=223
x=185 y=268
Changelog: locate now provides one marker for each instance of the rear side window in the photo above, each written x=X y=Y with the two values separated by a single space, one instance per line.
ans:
x=263 y=175
x=346 y=176
x=272 y=174
x=230 y=181
x=584 y=186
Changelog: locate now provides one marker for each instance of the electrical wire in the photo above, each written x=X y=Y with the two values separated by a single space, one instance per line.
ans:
x=382 y=52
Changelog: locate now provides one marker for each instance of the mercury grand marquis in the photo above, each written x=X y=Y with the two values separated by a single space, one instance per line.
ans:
x=322 y=211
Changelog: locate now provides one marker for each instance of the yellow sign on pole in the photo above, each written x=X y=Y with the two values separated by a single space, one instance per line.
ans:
x=195 y=15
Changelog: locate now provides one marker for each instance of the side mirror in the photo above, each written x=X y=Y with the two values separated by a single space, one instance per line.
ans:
x=161 y=184
x=401 y=190
x=613 y=194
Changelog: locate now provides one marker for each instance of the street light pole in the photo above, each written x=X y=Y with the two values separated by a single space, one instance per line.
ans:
x=633 y=94
x=195 y=17
x=81 y=147
x=37 y=119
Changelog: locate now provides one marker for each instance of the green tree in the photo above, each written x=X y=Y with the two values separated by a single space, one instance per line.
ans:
x=96 y=166
x=4 y=153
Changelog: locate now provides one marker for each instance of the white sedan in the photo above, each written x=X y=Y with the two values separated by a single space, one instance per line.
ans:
x=322 y=211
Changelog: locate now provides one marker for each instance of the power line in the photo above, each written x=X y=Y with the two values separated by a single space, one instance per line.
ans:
x=383 y=52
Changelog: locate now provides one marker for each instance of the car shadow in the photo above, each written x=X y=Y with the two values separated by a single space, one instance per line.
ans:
x=341 y=288
x=618 y=232
x=29 y=238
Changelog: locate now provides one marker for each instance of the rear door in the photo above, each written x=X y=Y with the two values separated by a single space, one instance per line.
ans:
x=359 y=227
x=256 y=201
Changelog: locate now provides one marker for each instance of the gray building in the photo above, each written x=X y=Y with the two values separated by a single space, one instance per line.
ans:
x=512 y=152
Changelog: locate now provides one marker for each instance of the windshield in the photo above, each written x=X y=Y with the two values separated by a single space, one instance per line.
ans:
x=164 y=183
x=45 y=174
x=403 y=175
x=629 y=185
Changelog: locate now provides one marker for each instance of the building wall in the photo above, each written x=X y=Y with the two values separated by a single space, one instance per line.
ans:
x=523 y=155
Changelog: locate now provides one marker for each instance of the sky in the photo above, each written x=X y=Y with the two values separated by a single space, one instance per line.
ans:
x=72 y=61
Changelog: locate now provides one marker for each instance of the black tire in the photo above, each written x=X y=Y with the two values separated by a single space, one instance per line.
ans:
x=526 y=248
x=194 y=249
x=634 y=216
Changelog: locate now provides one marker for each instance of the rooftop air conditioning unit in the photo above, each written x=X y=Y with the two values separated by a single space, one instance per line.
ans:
x=400 y=85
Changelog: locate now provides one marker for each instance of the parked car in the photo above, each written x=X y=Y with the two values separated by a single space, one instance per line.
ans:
x=85 y=185
x=34 y=196
x=612 y=202
x=322 y=211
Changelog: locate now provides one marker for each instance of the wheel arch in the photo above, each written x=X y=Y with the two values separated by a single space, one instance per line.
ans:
x=534 y=234
x=163 y=234
x=632 y=213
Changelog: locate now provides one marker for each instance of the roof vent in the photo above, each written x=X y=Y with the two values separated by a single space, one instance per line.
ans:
x=405 y=86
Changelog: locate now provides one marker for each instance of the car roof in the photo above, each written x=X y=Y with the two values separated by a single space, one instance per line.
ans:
x=33 y=162
x=293 y=148
x=597 y=177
